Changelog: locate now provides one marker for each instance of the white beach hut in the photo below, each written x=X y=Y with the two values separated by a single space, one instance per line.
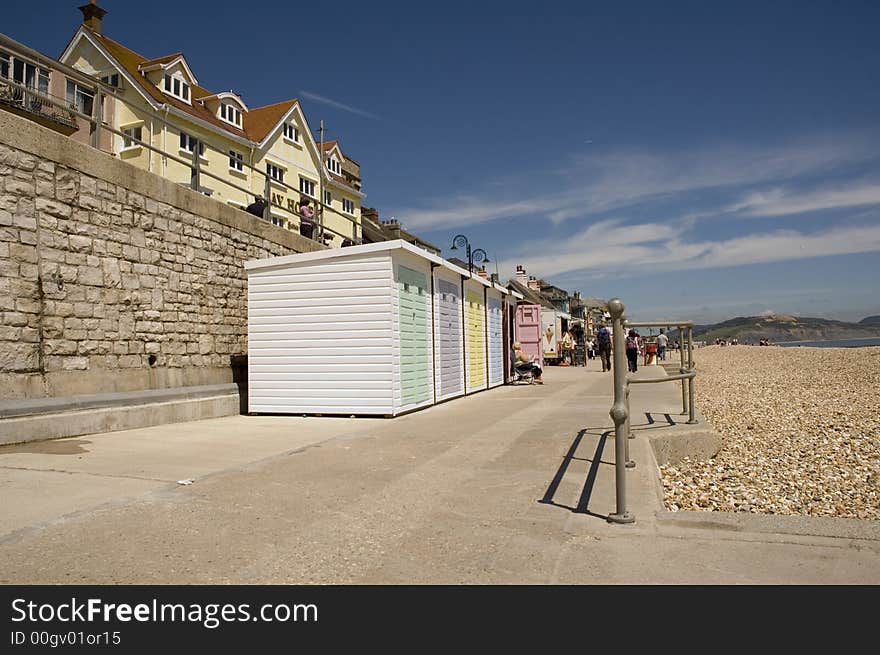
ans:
x=349 y=331
x=494 y=333
x=448 y=333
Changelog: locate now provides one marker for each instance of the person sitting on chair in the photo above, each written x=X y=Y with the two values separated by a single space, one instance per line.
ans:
x=524 y=363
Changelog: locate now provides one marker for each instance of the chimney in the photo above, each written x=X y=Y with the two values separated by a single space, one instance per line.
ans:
x=534 y=285
x=92 y=15
x=521 y=275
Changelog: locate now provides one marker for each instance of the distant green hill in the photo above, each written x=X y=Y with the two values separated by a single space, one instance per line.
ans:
x=870 y=320
x=778 y=328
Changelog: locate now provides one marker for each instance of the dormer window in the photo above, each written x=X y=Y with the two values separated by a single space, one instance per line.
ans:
x=334 y=166
x=230 y=114
x=176 y=87
x=290 y=132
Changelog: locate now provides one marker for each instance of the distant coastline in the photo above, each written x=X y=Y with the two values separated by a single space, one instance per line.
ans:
x=831 y=343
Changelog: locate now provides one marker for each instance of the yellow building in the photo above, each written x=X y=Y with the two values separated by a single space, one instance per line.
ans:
x=159 y=102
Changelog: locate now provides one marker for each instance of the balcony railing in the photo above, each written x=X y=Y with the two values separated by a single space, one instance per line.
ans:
x=35 y=102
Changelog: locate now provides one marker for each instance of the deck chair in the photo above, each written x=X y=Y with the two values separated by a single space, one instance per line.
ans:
x=522 y=371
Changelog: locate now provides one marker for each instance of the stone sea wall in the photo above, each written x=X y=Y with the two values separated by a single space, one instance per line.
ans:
x=113 y=278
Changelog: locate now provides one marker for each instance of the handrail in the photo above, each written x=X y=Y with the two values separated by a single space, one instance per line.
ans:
x=97 y=124
x=620 y=411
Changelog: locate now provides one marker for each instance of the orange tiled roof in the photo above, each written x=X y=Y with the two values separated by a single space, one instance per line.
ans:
x=161 y=60
x=257 y=122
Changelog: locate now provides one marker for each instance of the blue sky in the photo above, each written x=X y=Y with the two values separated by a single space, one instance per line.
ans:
x=699 y=160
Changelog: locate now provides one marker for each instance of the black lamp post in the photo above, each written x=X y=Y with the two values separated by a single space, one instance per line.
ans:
x=478 y=255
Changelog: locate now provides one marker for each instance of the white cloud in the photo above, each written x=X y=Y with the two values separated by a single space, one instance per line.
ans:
x=610 y=180
x=338 y=105
x=622 y=250
x=782 y=202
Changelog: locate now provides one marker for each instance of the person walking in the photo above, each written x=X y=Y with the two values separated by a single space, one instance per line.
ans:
x=662 y=342
x=603 y=344
x=632 y=350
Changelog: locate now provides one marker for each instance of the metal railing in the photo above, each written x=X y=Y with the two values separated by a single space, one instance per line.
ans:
x=620 y=409
x=197 y=169
x=34 y=101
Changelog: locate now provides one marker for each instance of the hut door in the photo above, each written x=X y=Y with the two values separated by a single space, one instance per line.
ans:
x=414 y=359
x=449 y=357
x=476 y=334
x=496 y=368
x=528 y=330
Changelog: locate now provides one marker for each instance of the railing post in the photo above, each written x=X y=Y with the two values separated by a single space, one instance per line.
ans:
x=267 y=196
x=619 y=412
x=691 y=419
x=98 y=118
x=195 y=178
x=684 y=383
x=629 y=434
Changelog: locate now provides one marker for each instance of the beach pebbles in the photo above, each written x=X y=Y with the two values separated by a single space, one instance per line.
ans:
x=800 y=431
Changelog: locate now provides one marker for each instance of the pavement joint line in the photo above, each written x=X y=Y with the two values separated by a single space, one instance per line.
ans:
x=95 y=475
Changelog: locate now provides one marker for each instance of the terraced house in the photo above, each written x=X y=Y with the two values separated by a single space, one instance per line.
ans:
x=159 y=101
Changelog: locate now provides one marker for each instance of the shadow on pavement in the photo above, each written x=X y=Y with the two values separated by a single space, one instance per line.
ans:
x=584 y=500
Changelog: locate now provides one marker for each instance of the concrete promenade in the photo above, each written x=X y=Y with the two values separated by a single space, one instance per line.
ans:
x=507 y=486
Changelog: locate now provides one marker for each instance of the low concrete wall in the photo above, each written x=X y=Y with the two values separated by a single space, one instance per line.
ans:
x=680 y=442
x=113 y=278
x=112 y=419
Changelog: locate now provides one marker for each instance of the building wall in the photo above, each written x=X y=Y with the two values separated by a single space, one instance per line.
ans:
x=115 y=279
x=295 y=158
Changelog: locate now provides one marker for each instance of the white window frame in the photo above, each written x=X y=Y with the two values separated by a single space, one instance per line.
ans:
x=76 y=94
x=236 y=161
x=348 y=206
x=130 y=131
x=328 y=199
x=169 y=82
x=111 y=79
x=293 y=129
x=230 y=114
x=186 y=145
x=307 y=187
x=275 y=172
x=334 y=166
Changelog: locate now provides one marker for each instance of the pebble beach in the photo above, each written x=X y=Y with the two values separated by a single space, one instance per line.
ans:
x=800 y=431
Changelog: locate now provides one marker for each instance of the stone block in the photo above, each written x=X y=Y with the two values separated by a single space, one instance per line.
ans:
x=27 y=305
x=61 y=347
x=83 y=310
x=112 y=275
x=79 y=243
x=15 y=319
x=130 y=282
x=90 y=276
x=89 y=202
x=19 y=187
x=19 y=357
x=25 y=221
x=45 y=188
x=75 y=363
x=23 y=253
x=129 y=361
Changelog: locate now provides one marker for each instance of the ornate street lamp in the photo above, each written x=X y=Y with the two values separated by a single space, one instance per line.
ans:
x=478 y=255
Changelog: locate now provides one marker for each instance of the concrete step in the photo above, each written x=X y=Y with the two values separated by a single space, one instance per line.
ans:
x=53 y=418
